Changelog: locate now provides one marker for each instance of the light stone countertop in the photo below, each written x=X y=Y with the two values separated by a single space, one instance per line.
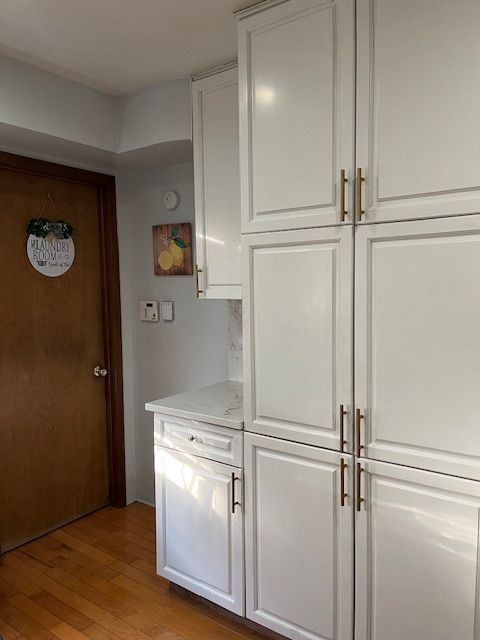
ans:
x=220 y=404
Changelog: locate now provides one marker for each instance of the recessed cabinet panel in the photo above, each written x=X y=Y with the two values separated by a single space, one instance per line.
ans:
x=418 y=133
x=417 y=326
x=296 y=82
x=417 y=555
x=199 y=537
x=298 y=539
x=217 y=184
x=298 y=291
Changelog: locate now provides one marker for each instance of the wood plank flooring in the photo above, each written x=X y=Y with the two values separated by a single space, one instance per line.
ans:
x=95 y=579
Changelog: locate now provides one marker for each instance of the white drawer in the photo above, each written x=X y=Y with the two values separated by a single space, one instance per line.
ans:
x=200 y=438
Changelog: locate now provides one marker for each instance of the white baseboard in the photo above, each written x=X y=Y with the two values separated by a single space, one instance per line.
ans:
x=149 y=504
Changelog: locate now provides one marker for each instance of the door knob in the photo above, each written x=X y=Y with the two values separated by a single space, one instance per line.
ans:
x=99 y=372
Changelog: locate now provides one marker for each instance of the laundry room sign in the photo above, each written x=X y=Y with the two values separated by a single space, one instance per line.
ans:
x=50 y=247
x=50 y=256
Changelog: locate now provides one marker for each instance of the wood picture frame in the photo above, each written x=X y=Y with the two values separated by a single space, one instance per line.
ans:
x=172 y=249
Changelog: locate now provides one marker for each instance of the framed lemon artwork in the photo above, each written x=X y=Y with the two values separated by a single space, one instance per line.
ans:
x=172 y=249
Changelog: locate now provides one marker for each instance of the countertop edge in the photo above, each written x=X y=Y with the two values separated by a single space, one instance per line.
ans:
x=194 y=415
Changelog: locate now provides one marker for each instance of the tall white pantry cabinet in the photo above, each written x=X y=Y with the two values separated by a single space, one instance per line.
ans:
x=360 y=203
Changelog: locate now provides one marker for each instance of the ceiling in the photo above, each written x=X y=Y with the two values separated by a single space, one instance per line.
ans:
x=120 y=46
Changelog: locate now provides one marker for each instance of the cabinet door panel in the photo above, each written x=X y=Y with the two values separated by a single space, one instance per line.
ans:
x=297 y=333
x=417 y=344
x=298 y=540
x=296 y=113
x=199 y=539
x=417 y=555
x=418 y=136
x=217 y=183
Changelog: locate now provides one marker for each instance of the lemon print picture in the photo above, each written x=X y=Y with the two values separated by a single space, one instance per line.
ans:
x=172 y=249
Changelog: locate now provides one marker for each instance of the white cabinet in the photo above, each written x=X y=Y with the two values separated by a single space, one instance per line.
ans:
x=417 y=343
x=416 y=111
x=298 y=334
x=200 y=526
x=417 y=560
x=217 y=184
x=299 y=539
x=296 y=87
x=418 y=130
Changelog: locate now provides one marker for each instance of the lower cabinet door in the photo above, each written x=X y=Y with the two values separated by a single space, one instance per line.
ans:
x=417 y=555
x=299 y=539
x=199 y=508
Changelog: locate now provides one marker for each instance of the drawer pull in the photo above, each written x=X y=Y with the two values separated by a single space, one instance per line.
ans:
x=194 y=438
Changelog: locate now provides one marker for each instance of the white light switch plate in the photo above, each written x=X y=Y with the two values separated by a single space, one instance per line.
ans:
x=167 y=310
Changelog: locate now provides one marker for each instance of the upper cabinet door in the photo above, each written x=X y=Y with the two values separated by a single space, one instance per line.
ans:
x=296 y=87
x=417 y=343
x=418 y=105
x=417 y=560
x=217 y=185
x=298 y=335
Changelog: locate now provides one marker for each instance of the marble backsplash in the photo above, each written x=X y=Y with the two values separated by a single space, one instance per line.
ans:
x=235 y=343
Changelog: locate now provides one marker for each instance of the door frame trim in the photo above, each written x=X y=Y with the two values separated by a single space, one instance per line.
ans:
x=111 y=309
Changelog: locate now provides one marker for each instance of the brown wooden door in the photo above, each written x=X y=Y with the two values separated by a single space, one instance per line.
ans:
x=54 y=414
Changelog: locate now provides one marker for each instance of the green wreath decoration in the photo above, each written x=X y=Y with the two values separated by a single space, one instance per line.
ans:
x=41 y=228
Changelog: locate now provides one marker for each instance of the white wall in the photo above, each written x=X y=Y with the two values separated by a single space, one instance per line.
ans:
x=162 y=358
x=40 y=101
x=154 y=115
x=78 y=121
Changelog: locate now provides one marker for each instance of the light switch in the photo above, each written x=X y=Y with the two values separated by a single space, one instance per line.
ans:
x=148 y=310
x=167 y=310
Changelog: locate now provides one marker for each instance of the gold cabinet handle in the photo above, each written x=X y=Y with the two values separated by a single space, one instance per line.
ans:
x=197 y=271
x=359 y=416
x=343 y=494
x=234 y=502
x=343 y=412
x=358 y=194
x=358 y=474
x=343 y=182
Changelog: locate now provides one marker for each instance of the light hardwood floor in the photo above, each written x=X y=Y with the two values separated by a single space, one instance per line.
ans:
x=95 y=579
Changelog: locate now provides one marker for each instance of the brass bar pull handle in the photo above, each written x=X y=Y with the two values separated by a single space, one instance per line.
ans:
x=359 y=472
x=197 y=271
x=343 y=182
x=234 y=502
x=358 y=194
x=359 y=416
x=343 y=495
x=343 y=413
